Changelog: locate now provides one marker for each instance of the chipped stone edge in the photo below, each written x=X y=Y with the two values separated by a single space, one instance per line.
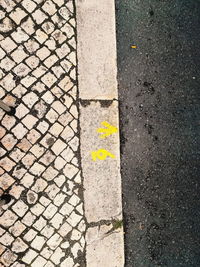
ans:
x=102 y=95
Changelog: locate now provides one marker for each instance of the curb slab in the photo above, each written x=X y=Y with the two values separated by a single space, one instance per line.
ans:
x=97 y=69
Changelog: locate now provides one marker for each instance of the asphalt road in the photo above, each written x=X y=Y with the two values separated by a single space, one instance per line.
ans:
x=159 y=88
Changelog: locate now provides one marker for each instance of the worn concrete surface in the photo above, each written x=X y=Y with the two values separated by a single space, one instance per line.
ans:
x=100 y=157
x=96 y=49
x=159 y=102
x=102 y=182
x=108 y=243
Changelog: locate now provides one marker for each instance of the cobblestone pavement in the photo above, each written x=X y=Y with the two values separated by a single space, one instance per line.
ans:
x=43 y=224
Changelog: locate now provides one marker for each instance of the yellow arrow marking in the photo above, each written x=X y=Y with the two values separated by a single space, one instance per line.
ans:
x=101 y=154
x=105 y=132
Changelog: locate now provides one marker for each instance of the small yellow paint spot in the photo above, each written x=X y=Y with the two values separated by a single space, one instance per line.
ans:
x=133 y=46
x=105 y=132
x=101 y=154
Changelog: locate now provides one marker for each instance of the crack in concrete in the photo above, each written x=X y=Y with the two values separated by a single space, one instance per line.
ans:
x=103 y=102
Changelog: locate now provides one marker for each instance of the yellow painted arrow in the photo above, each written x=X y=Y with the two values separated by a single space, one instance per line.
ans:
x=105 y=132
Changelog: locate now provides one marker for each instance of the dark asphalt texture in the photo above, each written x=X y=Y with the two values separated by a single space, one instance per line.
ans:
x=159 y=90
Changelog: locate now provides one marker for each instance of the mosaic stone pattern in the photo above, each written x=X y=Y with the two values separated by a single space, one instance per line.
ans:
x=44 y=223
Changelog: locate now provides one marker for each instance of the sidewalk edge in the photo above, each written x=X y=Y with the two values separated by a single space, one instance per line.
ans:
x=98 y=102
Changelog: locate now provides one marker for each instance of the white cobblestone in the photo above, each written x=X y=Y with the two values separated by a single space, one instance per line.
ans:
x=74 y=200
x=52 y=191
x=59 y=199
x=50 y=211
x=29 y=236
x=6 y=239
x=82 y=226
x=65 y=229
x=68 y=154
x=27 y=180
x=21 y=111
x=19 y=246
x=74 y=219
x=40 y=144
x=65 y=245
x=67 y=134
x=43 y=126
x=44 y=201
x=8 y=257
x=57 y=221
x=16 y=154
x=60 y=180
x=66 y=209
x=52 y=116
x=67 y=262
x=16 y=190
x=38 y=242
x=49 y=264
x=33 y=62
x=40 y=261
x=58 y=147
x=70 y=171
x=17 y=228
x=50 y=173
x=28 y=219
x=37 y=209
x=29 y=256
x=29 y=121
x=59 y=163
x=19 y=54
x=5 y=183
x=57 y=255
x=40 y=224
x=48 y=231
x=28 y=160
x=8 y=122
x=46 y=253
x=56 y=129
x=19 y=131
x=48 y=97
x=74 y=143
x=76 y=235
x=37 y=150
x=30 y=98
x=20 y=208
x=54 y=241
x=37 y=169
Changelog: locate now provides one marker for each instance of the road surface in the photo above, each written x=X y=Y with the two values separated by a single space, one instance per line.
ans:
x=160 y=118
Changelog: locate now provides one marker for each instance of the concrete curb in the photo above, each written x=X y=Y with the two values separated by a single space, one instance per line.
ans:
x=99 y=124
x=96 y=49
